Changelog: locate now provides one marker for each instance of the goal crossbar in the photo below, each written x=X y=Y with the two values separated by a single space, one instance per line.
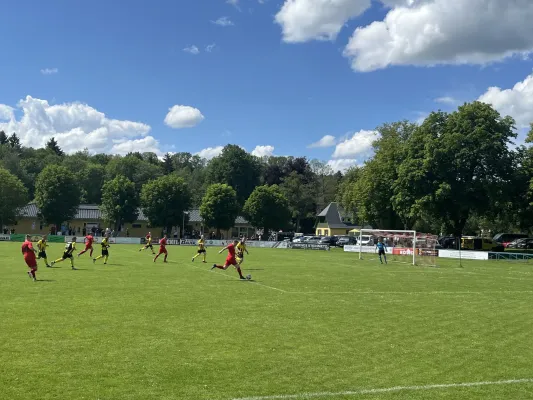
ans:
x=376 y=232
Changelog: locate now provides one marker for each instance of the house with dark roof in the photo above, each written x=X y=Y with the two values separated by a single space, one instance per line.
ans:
x=333 y=221
x=89 y=216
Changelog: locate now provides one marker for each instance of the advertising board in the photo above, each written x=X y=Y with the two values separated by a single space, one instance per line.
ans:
x=309 y=246
x=113 y=240
x=5 y=238
x=467 y=255
x=366 y=249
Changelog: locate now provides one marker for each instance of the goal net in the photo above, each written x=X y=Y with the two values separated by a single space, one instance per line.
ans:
x=408 y=247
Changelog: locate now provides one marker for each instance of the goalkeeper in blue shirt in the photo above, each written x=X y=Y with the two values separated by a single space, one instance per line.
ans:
x=380 y=246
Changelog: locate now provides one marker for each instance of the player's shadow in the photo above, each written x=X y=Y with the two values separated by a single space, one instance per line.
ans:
x=253 y=269
x=45 y=280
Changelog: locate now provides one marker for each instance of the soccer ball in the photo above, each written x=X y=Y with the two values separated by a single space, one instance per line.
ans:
x=248 y=277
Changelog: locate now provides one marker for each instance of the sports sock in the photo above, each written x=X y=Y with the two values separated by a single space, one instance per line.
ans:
x=106 y=258
x=220 y=266
x=240 y=272
x=33 y=272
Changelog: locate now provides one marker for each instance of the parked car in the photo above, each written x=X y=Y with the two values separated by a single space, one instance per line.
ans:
x=312 y=239
x=505 y=238
x=523 y=244
x=515 y=244
x=478 y=243
x=329 y=240
x=346 y=241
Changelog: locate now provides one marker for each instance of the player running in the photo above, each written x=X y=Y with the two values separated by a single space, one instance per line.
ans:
x=41 y=246
x=162 y=248
x=230 y=259
x=201 y=249
x=148 y=243
x=241 y=248
x=29 y=257
x=380 y=246
x=89 y=239
x=105 y=251
x=69 y=249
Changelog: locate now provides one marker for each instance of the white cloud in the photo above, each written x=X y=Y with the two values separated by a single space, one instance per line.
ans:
x=431 y=32
x=210 y=47
x=360 y=144
x=75 y=126
x=6 y=113
x=146 y=144
x=326 y=141
x=516 y=102
x=263 y=151
x=192 y=49
x=210 y=152
x=234 y=3
x=303 y=20
x=183 y=117
x=223 y=21
x=49 y=71
x=446 y=100
x=342 y=164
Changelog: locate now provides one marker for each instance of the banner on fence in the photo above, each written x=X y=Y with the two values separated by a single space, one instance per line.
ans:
x=98 y=239
x=467 y=255
x=367 y=249
x=5 y=238
x=309 y=246
x=257 y=243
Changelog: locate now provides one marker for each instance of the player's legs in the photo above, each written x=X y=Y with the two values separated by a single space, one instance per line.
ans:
x=42 y=256
x=161 y=252
x=224 y=267
x=91 y=253
x=65 y=256
x=32 y=265
x=238 y=268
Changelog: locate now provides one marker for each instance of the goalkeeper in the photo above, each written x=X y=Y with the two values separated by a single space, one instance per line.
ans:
x=380 y=246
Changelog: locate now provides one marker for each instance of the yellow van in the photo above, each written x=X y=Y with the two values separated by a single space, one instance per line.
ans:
x=478 y=243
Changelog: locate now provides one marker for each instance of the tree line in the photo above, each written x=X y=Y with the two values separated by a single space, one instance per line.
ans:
x=455 y=173
x=272 y=193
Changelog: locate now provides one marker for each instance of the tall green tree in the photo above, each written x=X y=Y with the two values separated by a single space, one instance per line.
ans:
x=325 y=184
x=456 y=165
x=219 y=207
x=3 y=137
x=345 y=193
x=165 y=200
x=14 y=142
x=120 y=203
x=236 y=168
x=299 y=195
x=53 y=146
x=13 y=196
x=168 y=167
x=134 y=168
x=91 y=180
x=57 y=194
x=267 y=208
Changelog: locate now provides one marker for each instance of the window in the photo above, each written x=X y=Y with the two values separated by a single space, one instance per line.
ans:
x=319 y=232
x=326 y=232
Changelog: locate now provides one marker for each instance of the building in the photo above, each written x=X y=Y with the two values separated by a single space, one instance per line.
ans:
x=333 y=221
x=89 y=216
x=196 y=226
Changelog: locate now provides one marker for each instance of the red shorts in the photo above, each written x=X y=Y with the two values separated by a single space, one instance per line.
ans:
x=231 y=261
x=88 y=247
x=31 y=262
x=162 y=250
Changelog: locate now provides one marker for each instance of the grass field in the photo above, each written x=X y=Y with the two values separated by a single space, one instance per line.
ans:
x=314 y=324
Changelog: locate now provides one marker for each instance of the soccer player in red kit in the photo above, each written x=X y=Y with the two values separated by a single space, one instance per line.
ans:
x=230 y=259
x=162 y=248
x=29 y=257
x=89 y=239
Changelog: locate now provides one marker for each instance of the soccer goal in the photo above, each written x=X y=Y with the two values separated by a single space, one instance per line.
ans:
x=408 y=247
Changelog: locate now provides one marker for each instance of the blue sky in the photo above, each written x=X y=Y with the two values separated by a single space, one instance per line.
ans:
x=277 y=74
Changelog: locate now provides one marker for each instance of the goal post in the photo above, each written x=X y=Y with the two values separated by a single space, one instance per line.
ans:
x=406 y=246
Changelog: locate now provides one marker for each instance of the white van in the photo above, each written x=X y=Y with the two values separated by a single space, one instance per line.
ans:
x=366 y=240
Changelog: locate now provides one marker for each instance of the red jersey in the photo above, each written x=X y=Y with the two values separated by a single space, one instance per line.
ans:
x=163 y=242
x=89 y=240
x=231 y=250
x=27 y=250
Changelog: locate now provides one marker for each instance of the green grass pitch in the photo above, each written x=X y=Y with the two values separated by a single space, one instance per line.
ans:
x=314 y=324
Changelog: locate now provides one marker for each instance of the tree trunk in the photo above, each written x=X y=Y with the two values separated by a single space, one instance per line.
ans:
x=298 y=223
x=458 y=232
x=218 y=233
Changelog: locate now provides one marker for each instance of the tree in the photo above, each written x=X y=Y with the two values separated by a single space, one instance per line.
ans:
x=14 y=142
x=236 y=168
x=168 y=168
x=3 y=137
x=267 y=208
x=53 y=146
x=91 y=180
x=57 y=195
x=165 y=200
x=13 y=196
x=219 y=207
x=134 y=168
x=325 y=184
x=456 y=165
x=120 y=203
x=299 y=196
x=345 y=193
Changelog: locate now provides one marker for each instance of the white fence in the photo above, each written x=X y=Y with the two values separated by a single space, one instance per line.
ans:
x=467 y=255
x=5 y=238
x=365 y=249
x=112 y=240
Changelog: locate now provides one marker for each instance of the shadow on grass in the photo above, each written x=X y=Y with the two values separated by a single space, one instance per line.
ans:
x=45 y=280
x=253 y=269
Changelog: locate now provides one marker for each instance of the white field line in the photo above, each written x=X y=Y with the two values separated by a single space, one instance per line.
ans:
x=436 y=292
x=386 y=390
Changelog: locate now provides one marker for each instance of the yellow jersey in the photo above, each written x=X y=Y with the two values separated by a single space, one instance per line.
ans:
x=201 y=244
x=105 y=243
x=241 y=248
x=41 y=245
x=148 y=240
x=70 y=247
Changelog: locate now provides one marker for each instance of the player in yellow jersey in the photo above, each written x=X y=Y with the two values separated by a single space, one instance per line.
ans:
x=241 y=248
x=148 y=243
x=105 y=251
x=201 y=248
x=69 y=249
x=41 y=246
